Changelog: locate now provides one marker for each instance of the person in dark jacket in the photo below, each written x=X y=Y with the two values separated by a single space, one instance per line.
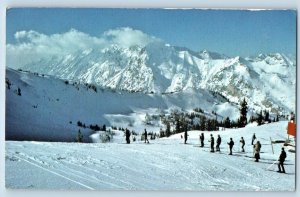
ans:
x=127 y=134
x=218 y=143
x=185 y=136
x=202 y=139
x=281 y=159
x=231 y=143
x=212 y=143
x=253 y=138
x=146 y=136
x=242 y=141
x=257 y=148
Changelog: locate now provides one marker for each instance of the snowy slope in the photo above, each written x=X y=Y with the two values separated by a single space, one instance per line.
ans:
x=164 y=164
x=48 y=108
x=151 y=65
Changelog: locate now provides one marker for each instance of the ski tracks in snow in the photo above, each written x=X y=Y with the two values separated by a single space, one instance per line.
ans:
x=52 y=172
x=144 y=167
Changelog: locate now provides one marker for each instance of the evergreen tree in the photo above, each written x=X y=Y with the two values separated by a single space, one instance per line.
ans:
x=185 y=126
x=192 y=117
x=239 y=123
x=252 y=119
x=267 y=116
x=209 y=125
x=19 y=91
x=202 y=123
x=168 y=130
x=227 y=123
x=177 y=125
x=243 y=113
x=260 y=118
x=79 y=123
x=161 y=133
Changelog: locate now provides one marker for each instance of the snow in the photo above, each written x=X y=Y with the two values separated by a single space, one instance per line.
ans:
x=135 y=82
x=158 y=67
x=164 y=164
x=49 y=109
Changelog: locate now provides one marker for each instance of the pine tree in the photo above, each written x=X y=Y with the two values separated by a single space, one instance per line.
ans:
x=227 y=123
x=260 y=118
x=202 y=123
x=79 y=123
x=177 y=126
x=161 y=133
x=252 y=119
x=267 y=116
x=19 y=91
x=168 y=130
x=243 y=113
x=209 y=125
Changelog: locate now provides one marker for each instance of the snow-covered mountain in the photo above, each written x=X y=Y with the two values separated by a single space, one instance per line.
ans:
x=267 y=81
x=48 y=109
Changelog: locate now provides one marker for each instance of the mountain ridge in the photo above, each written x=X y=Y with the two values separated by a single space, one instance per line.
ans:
x=159 y=67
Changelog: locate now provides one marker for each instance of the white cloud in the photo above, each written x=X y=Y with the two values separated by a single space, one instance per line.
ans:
x=31 y=46
x=127 y=37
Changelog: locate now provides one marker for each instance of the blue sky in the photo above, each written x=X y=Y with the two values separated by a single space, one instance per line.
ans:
x=232 y=32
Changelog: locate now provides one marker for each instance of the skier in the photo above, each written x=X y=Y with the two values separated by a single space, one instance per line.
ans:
x=257 y=148
x=146 y=136
x=281 y=159
x=253 y=138
x=202 y=139
x=127 y=133
x=231 y=143
x=218 y=143
x=185 y=136
x=212 y=143
x=242 y=141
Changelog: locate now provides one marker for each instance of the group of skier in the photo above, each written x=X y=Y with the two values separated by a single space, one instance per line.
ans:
x=218 y=143
x=127 y=136
x=256 y=146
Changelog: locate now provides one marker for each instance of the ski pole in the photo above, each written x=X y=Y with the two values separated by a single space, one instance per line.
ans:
x=271 y=165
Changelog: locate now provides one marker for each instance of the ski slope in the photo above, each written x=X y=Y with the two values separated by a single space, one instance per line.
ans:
x=164 y=164
x=48 y=109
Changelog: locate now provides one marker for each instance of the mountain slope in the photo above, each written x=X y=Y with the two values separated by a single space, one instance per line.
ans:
x=268 y=81
x=49 y=108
